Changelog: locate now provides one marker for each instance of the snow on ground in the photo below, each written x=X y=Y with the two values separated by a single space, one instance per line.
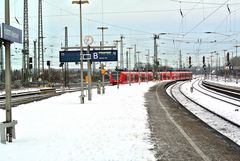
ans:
x=227 y=82
x=226 y=110
x=111 y=127
x=16 y=91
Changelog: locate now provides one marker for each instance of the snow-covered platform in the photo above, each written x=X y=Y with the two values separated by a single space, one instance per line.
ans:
x=111 y=127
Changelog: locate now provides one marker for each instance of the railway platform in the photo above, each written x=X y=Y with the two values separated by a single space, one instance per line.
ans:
x=179 y=135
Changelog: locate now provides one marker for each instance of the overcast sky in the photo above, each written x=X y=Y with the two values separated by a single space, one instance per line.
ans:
x=185 y=22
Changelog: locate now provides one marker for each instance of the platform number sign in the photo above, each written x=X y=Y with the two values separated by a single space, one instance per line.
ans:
x=96 y=55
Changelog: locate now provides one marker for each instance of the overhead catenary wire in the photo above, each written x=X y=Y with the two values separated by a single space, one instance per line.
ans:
x=205 y=3
x=198 y=24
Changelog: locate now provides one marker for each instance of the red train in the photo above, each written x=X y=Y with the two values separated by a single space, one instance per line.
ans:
x=123 y=76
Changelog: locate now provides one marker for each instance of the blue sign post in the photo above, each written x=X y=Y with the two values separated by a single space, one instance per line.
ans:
x=10 y=33
x=96 y=56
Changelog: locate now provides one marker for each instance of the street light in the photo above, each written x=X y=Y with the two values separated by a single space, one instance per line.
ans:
x=117 y=41
x=129 y=66
x=102 y=47
x=138 y=65
x=80 y=2
x=102 y=28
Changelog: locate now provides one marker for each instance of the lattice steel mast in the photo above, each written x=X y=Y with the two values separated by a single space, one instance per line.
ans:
x=40 y=40
x=25 y=51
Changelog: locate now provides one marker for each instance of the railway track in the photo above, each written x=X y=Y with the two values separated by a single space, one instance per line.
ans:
x=214 y=117
x=31 y=96
x=233 y=92
x=230 y=96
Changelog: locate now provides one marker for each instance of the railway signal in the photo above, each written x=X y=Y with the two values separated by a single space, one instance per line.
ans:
x=48 y=63
x=30 y=63
x=190 y=61
x=228 y=61
x=204 y=64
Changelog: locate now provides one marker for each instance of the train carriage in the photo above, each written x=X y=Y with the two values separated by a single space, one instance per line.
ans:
x=124 y=77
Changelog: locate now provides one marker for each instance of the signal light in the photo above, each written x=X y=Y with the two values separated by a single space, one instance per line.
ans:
x=228 y=61
x=30 y=59
x=30 y=66
x=190 y=61
x=48 y=63
x=204 y=65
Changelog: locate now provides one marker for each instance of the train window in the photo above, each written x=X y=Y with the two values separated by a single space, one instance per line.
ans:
x=114 y=75
x=126 y=78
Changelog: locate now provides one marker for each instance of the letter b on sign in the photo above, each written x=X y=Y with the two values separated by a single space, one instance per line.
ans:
x=95 y=55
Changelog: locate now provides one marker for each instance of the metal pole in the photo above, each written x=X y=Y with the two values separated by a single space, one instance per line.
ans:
x=8 y=74
x=211 y=66
x=49 y=75
x=127 y=60
x=148 y=57
x=180 y=59
x=129 y=56
x=40 y=41
x=35 y=58
x=62 y=77
x=66 y=64
x=138 y=64
x=155 y=57
x=224 y=65
x=217 y=66
x=102 y=42
x=117 y=41
x=1 y=62
x=89 y=77
x=102 y=47
x=129 y=65
x=236 y=65
x=121 y=53
x=25 y=51
x=81 y=57
x=135 y=55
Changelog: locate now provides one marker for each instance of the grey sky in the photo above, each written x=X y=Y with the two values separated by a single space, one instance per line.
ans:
x=137 y=20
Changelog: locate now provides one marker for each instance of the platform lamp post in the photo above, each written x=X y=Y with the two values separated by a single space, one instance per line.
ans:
x=80 y=2
x=102 y=47
x=129 y=66
x=148 y=58
x=117 y=41
x=138 y=64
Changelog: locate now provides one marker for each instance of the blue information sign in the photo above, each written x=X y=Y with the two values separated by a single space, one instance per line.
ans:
x=96 y=55
x=11 y=33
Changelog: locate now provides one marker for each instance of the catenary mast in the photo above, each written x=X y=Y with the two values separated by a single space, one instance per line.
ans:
x=25 y=51
x=40 y=40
